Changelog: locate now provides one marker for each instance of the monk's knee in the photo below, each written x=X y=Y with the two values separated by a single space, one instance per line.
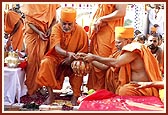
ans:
x=126 y=91
x=122 y=91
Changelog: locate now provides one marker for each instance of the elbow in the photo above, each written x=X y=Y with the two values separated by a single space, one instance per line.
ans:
x=122 y=13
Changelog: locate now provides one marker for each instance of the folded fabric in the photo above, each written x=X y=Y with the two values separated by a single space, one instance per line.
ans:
x=104 y=100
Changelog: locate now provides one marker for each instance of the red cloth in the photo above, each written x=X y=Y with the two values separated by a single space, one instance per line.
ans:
x=23 y=64
x=119 y=103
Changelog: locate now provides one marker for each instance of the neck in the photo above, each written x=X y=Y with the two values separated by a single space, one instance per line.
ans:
x=154 y=50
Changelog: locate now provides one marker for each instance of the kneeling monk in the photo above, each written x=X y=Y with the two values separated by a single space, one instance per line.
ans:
x=67 y=38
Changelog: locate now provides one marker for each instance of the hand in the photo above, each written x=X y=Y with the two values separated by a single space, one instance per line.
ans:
x=141 y=85
x=68 y=60
x=48 y=32
x=89 y=57
x=79 y=55
x=42 y=36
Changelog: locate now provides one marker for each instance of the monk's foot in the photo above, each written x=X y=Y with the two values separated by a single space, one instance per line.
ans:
x=74 y=101
x=43 y=90
x=49 y=100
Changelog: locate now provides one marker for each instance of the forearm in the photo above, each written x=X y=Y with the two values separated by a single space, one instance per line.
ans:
x=100 y=65
x=34 y=28
x=61 y=51
x=107 y=61
x=159 y=84
x=114 y=16
x=118 y=13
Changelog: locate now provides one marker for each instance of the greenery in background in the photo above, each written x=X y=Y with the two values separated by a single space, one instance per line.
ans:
x=127 y=22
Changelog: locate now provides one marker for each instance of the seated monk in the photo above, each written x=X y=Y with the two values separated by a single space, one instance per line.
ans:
x=135 y=63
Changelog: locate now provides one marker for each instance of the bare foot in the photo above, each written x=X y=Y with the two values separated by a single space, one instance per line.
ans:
x=74 y=101
x=43 y=90
x=49 y=100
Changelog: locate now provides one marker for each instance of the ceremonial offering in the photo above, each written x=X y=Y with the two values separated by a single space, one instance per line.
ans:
x=12 y=60
x=80 y=67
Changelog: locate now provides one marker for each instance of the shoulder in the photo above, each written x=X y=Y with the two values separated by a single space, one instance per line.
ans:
x=133 y=46
x=160 y=50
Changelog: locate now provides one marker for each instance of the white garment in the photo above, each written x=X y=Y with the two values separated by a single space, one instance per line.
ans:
x=14 y=84
x=159 y=20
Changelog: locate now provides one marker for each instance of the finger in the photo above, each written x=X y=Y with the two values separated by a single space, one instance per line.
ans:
x=43 y=38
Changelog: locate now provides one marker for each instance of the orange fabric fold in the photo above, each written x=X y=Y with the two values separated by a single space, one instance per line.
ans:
x=11 y=19
x=102 y=43
x=41 y=16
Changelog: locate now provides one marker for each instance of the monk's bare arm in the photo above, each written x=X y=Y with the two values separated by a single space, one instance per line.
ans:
x=125 y=58
x=59 y=50
x=156 y=84
x=100 y=65
x=118 y=13
x=40 y=33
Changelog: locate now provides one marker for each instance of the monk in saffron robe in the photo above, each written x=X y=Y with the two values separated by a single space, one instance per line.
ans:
x=136 y=63
x=67 y=38
x=39 y=19
x=13 y=27
x=101 y=35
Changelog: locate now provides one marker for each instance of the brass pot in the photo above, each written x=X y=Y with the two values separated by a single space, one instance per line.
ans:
x=12 y=60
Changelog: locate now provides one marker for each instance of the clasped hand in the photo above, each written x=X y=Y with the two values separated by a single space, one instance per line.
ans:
x=85 y=57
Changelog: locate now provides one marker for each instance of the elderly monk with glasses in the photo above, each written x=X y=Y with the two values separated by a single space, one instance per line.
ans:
x=67 y=38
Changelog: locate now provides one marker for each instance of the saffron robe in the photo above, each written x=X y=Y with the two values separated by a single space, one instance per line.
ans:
x=11 y=19
x=52 y=71
x=102 y=43
x=41 y=16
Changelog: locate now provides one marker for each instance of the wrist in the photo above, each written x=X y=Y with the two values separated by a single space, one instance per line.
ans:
x=94 y=57
x=66 y=54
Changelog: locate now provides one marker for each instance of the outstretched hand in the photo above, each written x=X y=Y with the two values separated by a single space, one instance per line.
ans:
x=89 y=57
x=141 y=85
x=68 y=60
x=79 y=55
x=86 y=57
